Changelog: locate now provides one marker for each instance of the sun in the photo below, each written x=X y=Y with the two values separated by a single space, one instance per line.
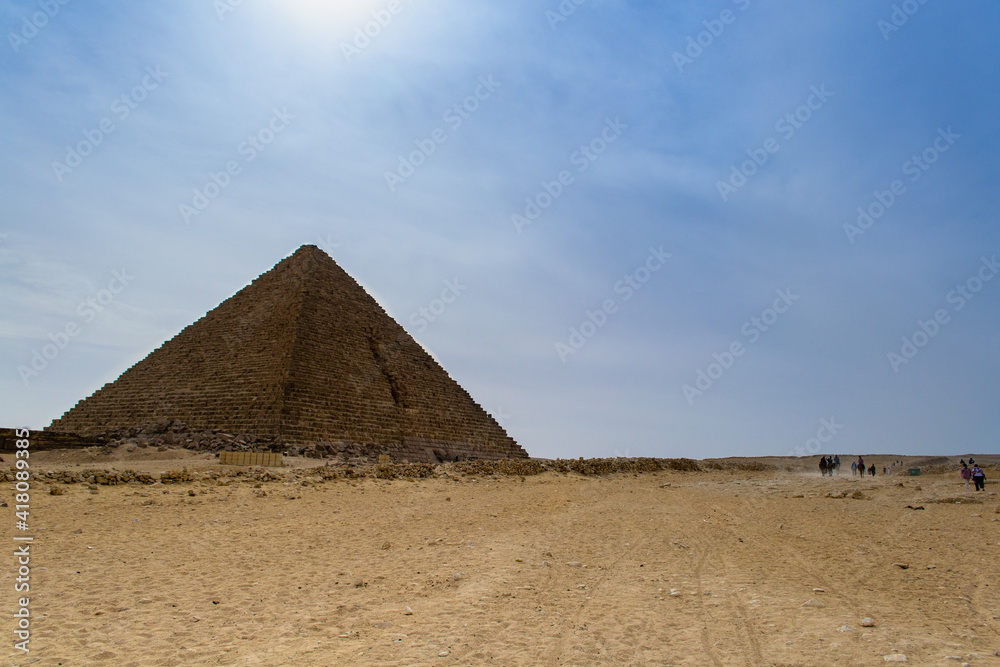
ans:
x=324 y=13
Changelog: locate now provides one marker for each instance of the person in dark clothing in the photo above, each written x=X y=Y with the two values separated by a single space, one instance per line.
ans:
x=822 y=466
x=871 y=471
x=979 y=478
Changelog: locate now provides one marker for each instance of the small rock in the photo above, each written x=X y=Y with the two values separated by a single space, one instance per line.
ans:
x=457 y=576
x=407 y=611
x=191 y=492
x=818 y=590
x=78 y=531
x=844 y=628
x=359 y=582
x=56 y=491
x=575 y=563
x=902 y=566
x=895 y=657
x=867 y=622
x=443 y=653
x=386 y=546
x=815 y=604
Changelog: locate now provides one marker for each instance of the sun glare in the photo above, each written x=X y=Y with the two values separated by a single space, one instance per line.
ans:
x=323 y=13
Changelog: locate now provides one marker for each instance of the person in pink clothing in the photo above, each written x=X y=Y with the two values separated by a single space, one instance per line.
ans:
x=966 y=475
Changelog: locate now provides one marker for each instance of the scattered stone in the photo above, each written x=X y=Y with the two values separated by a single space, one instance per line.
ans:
x=443 y=653
x=844 y=628
x=857 y=495
x=191 y=492
x=78 y=531
x=575 y=563
x=815 y=604
x=457 y=576
x=819 y=590
x=895 y=657
x=902 y=566
x=359 y=582
x=407 y=611
x=386 y=545
x=867 y=622
x=56 y=491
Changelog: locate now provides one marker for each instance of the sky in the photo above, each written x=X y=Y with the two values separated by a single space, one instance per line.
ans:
x=627 y=228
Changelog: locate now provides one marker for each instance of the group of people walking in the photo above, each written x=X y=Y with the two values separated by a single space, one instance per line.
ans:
x=975 y=473
x=858 y=467
x=970 y=471
x=828 y=465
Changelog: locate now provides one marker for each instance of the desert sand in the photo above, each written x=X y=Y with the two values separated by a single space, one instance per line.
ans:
x=725 y=567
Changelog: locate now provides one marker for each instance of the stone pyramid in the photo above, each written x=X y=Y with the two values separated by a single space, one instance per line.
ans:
x=303 y=355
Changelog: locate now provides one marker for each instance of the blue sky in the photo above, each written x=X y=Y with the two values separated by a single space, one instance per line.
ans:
x=713 y=157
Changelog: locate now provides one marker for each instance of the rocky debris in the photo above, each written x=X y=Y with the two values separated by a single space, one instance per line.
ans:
x=168 y=433
x=257 y=475
x=813 y=603
x=867 y=622
x=894 y=657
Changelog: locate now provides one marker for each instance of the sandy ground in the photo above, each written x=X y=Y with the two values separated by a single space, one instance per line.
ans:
x=718 y=568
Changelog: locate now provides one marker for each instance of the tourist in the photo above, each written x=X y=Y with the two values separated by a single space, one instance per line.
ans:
x=871 y=471
x=822 y=466
x=966 y=475
x=978 y=478
x=836 y=463
x=854 y=468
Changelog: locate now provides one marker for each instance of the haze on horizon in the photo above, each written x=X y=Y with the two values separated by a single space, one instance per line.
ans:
x=625 y=228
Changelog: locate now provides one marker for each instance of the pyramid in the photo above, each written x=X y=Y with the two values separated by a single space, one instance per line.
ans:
x=303 y=355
